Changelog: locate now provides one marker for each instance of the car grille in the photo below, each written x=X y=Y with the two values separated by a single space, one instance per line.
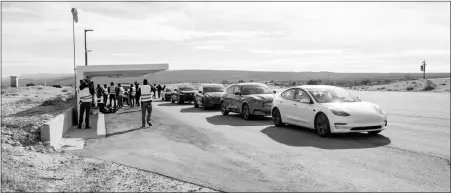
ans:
x=366 y=128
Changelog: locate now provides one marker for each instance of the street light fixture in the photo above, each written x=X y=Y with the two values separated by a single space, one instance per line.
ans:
x=86 y=50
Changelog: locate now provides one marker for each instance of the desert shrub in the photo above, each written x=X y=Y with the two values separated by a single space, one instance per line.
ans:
x=293 y=83
x=313 y=82
x=251 y=80
x=240 y=81
x=442 y=84
x=429 y=85
x=272 y=81
x=53 y=101
x=24 y=100
x=409 y=88
x=4 y=91
x=408 y=77
x=366 y=81
x=65 y=90
x=40 y=88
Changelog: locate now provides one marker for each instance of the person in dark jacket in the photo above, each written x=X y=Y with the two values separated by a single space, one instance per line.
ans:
x=159 y=88
x=138 y=93
x=99 y=95
x=153 y=89
x=132 y=95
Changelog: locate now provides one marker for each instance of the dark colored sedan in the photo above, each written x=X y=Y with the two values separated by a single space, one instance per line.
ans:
x=183 y=93
x=208 y=95
x=247 y=99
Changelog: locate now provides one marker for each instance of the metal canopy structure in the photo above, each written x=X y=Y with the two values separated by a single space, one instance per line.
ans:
x=116 y=71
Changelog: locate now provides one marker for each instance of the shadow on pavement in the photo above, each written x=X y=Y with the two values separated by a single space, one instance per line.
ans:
x=122 y=132
x=300 y=137
x=173 y=104
x=197 y=110
x=237 y=120
x=134 y=110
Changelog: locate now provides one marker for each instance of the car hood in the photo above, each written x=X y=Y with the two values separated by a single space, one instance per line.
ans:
x=355 y=107
x=214 y=94
x=262 y=97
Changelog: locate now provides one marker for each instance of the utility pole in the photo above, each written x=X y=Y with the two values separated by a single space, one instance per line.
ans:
x=423 y=68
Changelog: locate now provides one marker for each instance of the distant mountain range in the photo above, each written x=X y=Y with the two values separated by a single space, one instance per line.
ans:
x=173 y=76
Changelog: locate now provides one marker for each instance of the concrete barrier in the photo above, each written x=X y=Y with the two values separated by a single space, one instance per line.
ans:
x=54 y=130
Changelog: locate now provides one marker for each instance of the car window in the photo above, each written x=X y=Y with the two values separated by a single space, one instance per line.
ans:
x=213 y=89
x=300 y=95
x=230 y=90
x=236 y=89
x=289 y=94
x=256 y=89
x=186 y=88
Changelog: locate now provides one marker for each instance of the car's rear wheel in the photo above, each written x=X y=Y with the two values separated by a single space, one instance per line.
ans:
x=224 y=109
x=246 y=112
x=373 y=132
x=195 y=104
x=322 y=125
x=277 y=118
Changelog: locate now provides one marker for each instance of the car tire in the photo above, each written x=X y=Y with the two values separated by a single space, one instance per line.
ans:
x=277 y=118
x=180 y=101
x=195 y=104
x=322 y=125
x=204 y=107
x=246 y=112
x=224 y=109
x=373 y=132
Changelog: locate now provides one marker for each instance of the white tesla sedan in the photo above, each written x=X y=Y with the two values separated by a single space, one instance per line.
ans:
x=327 y=109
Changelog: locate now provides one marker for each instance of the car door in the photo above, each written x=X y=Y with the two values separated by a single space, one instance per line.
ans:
x=233 y=99
x=226 y=98
x=303 y=109
x=286 y=106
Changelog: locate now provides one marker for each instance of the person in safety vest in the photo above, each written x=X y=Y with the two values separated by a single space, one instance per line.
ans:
x=100 y=101
x=112 y=93
x=120 y=94
x=132 y=95
x=146 y=102
x=86 y=97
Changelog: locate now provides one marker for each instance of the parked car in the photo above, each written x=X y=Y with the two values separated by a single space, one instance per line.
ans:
x=208 y=95
x=166 y=93
x=327 y=109
x=183 y=93
x=247 y=99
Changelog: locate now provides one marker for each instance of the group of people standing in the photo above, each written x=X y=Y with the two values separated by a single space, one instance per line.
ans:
x=116 y=96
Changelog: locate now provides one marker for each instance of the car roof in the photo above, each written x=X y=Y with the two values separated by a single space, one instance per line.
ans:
x=316 y=86
x=211 y=84
x=249 y=83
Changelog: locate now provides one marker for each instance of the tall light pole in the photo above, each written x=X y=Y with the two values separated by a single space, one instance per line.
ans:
x=74 y=20
x=86 y=50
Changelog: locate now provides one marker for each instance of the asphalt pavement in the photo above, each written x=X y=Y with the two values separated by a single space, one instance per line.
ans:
x=230 y=154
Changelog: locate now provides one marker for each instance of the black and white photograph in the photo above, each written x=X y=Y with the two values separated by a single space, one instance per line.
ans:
x=225 y=96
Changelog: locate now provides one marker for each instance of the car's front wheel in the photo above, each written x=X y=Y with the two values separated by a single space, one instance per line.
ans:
x=373 y=132
x=322 y=125
x=246 y=112
x=224 y=108
x=277 y=118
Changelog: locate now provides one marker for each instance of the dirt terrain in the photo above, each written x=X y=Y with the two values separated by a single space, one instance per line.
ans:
x=420 y=85
x=31 y=166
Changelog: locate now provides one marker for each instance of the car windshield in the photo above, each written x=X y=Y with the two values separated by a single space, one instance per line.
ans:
x=332 y=95
x=213 y=89
x=186 y=88
x=256 y=89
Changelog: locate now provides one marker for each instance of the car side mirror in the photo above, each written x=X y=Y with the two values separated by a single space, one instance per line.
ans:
x=237 y=93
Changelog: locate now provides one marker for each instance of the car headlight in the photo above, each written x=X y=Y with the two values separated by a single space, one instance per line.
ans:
x=339 y=112
x=380 y=110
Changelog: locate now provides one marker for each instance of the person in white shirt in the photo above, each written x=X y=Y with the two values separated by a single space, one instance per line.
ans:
x=86 y=97
x=146 y=102
x=120 y=95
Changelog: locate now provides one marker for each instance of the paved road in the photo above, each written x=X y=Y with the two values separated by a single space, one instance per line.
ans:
x=230 y=154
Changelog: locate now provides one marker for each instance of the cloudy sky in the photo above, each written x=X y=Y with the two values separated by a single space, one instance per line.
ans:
x=296 y=36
